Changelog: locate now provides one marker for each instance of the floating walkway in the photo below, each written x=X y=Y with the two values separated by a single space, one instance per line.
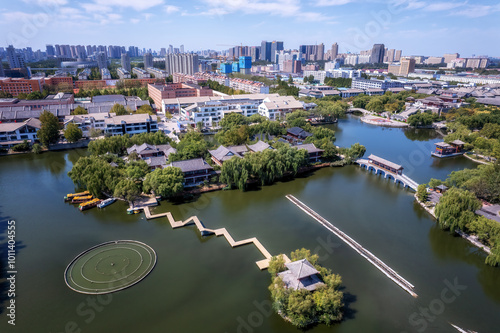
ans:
x=262 y=264
x=389 y=272
x=388 y=170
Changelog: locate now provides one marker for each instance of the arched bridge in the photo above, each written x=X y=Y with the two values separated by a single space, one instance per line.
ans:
x=388 y=170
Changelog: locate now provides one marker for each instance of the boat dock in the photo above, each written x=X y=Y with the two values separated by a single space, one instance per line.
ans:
x=379 y=264
x=262 y=264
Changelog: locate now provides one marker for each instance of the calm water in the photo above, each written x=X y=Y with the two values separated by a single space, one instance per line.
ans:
x=203 y=285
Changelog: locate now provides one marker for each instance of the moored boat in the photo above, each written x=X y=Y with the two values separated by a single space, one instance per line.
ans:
x=70 y=196
x=133 y=210
x=89 y=204
x=81 y=199
x=106 y=202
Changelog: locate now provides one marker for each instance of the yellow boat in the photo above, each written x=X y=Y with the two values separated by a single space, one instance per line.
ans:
x=89 y=204
x=70 y=196
x=81 y=199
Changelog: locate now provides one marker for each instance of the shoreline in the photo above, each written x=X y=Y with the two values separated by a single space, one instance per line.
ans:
x=372 y=120
x=477 y=161
x=470 y=238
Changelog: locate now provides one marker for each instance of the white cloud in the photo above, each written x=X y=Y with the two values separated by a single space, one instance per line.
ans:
x=442 y=6
x=325 y=3
x=134 y=4
x=284 y=8
x=474 y=11
x=169 y=9
x=135 y=21
x=46 y=2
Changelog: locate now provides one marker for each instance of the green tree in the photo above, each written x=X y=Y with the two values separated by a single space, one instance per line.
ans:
x=49 y=131
x=72 y=133
x=25 y=146
x=119 y=110
x=454 y=207
x=127 y=189
x=145 y=109
x=79 y=111
x=34 y=95
x=290 y=79
x=422 y=194
x=232 y=120
x=165 y=182
x=37 y=149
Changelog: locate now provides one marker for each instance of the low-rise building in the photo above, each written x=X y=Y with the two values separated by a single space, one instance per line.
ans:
x=195 y=171
x=278 y=107
x=314 y=153
x=156 y=156
x=141 y=73
x=123 y=73
x=130 y=124
x=159 y=92
x=223 y=154
x=12 y=134
x=157 y=73
x=301 y=275
x=105 y=74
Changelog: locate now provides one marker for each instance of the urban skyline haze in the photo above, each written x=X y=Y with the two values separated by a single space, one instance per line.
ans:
x=416 y=27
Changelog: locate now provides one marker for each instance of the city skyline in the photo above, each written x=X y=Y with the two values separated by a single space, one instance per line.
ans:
x=441 y=27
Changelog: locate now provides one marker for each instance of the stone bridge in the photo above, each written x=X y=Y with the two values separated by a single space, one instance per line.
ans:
x=387 y=172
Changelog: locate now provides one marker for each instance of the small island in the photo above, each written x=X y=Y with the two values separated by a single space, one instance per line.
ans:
x=305 y=293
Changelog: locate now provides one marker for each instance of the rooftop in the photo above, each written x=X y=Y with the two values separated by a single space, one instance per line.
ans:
x=385 y=162
x=191 y=165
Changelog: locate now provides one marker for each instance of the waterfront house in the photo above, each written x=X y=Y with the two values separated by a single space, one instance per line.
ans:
x=441 y=188
x=298 y=133
x=195 y=171
x=313 y=152
x=222 y=154
x=444 y=149
x=12 y=134
x=155 y=156
x=301 y=275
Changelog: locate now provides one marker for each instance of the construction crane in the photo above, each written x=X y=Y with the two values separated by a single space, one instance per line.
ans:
x=240 y=49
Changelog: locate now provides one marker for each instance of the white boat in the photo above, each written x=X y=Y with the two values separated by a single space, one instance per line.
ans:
x=106 y=202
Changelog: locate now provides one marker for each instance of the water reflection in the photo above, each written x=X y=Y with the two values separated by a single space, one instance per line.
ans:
x=420 y=134
x=448 y=247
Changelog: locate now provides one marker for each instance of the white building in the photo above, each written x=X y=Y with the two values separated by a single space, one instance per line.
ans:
x=105 y=74
x=157 y=73
x=123 y=73
x=130 y=124
x=141 y=73
x=345 y=73
x=12 y=134
x=318 y=75
x=278 y=107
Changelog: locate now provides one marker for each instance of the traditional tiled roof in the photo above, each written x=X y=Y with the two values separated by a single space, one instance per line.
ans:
x=310 y=147
x=223 y=154
x=385 y=162
x=191 y=165
x=259 y=146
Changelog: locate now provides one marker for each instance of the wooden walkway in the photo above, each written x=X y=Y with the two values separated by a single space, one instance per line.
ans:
x=262 y=264
x=389 y=272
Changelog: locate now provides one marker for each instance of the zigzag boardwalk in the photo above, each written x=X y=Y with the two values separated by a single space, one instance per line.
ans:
x=262 y=264
x=389 y=272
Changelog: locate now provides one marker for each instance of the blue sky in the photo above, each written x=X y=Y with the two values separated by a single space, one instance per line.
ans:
x=418 y=27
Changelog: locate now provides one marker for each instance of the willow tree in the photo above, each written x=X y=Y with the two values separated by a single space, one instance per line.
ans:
x=456 y=209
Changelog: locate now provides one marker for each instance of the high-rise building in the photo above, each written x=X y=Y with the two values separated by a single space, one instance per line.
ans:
x=148 y=60
x=320 y=52
x=2 y=72
x=16 y=60
x=181 y=63
x=102 y=60
x=163 y=52
x=265 y=51
x=245 y=64
x=450 y=57
x=275 y=48
x=397 y=55
x=390 y=55
x=170 y=49
x=407 y=66
x=126 y=62
x=255 y=53
x=50 y=51
x=377 y=56
x=335 y=51
x=181 y=48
